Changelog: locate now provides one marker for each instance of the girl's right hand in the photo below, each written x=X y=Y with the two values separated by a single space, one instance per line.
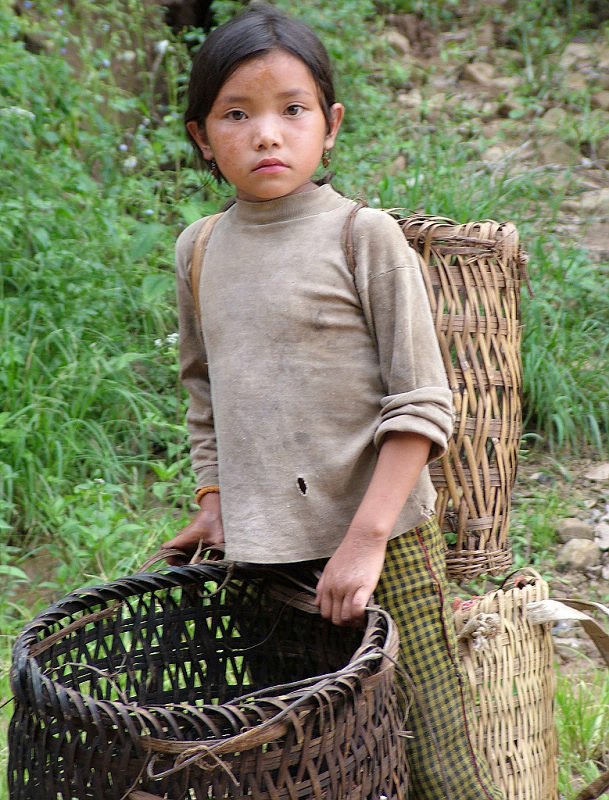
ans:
x=205 y=529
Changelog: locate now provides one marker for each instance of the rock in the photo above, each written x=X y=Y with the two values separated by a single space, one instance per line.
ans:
x=586 y=203
x=506 y=83
x=399 y=165
x=600 y=100
x=411 y=99
x=479 y=72
x=576 y=81
x=577 y=51
x=553 y=151
x=398 y=42
x=492 y=128
x=554 y=117
x=579 y=554
x=496 y=153
x=573 y=528
x=605 y=573
x=602 y=149
x=599 y=472
x=601 y=535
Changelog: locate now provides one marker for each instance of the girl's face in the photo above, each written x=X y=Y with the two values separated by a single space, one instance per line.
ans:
x=266 y=130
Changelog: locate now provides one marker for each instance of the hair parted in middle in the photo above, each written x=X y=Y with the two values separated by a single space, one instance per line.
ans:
x=254 y=33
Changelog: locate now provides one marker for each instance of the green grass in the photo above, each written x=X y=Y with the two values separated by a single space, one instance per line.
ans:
x=582 y=705
x=96 y=182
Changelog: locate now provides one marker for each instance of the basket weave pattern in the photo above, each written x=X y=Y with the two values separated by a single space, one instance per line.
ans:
x=509 y=665
x=178 y=685
x=473 y=274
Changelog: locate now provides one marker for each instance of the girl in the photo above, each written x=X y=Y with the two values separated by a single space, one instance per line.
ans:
x=316 y=397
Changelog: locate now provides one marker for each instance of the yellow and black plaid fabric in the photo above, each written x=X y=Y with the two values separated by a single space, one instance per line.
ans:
x=413 y=588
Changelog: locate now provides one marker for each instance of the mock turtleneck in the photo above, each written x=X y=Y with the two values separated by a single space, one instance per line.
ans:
x=285 y=209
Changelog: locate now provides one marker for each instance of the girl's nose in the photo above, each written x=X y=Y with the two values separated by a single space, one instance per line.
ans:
x=267 y=134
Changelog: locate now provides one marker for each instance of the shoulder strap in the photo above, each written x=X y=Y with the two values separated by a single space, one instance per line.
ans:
x=198 y=252
x=347 y=237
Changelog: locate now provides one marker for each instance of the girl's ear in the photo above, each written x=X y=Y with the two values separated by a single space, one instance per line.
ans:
x=198 y=134
x=337 y=112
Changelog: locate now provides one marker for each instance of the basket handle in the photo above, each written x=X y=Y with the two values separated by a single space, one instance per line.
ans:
x=214 y=554
x=554 y=610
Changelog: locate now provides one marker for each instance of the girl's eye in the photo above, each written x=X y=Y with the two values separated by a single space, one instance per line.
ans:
x=293 y=110
x=235 y=114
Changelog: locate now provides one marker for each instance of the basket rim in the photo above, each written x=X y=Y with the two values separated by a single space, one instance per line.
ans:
x=41 y=694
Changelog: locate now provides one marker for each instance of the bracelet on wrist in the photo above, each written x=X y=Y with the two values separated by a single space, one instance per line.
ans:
x=200 y=493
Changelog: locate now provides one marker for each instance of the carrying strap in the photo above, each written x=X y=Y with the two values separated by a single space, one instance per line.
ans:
x=198 y=254
x=347 y=236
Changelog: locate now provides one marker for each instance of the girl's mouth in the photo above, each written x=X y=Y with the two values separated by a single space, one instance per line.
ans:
x=269 y=165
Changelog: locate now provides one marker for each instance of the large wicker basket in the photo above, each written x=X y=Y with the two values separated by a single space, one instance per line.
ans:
x=509 y=665
x=473 y=275
x=203 y=682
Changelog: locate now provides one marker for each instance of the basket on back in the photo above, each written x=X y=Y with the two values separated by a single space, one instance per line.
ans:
x=473 y=275
x=203 y=683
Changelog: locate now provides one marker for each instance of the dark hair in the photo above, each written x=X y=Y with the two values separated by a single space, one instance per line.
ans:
x=252 y=34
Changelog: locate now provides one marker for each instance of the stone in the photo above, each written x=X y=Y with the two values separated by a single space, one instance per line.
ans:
x=576 y=81
x=605 y=573
x=492 y=128
x=599 y=472
x=554 y=151
x=495 y=152
x=506 y=83
x=398 y=42
x=592 y=202
x=479 y=72
x=554 y=117
x=411 y=99
x=573 y=528
x=601 y=535
x=399 y=165
x=600 y=100
x=579 y=51
x=579 y=554
x=602 y=149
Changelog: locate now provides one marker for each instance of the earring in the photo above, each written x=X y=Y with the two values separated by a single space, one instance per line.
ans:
x=213 y=167
x=325 y=158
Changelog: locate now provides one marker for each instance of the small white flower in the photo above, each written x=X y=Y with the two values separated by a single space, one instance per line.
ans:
x=130 y=162
x=172 y=338
x=161 y=47
x=127 y=55
x=98 y=480
x=122 y=146
x=17 y=111
x=149 y=211
x=158 y=342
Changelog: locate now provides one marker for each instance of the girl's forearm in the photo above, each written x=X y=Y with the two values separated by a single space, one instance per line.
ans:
x=400 y=461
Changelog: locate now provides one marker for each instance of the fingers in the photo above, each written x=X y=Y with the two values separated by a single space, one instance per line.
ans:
x=343 y=608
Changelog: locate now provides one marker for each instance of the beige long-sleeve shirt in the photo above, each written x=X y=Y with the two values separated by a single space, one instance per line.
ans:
x=297 y=369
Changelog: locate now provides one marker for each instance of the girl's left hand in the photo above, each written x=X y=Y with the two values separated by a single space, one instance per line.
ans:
x=350 y=577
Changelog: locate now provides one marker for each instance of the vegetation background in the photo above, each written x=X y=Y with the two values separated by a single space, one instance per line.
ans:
x=467 y=110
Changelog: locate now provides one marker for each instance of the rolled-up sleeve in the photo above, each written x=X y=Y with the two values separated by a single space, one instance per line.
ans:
x=395 y=304
x=194 y=373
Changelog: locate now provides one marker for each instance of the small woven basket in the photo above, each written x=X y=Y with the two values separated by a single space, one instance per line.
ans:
x=509 y=664
x=473 y=274
x=203 y=682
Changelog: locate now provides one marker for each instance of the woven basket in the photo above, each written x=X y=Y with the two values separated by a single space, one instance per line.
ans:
x=179 y=685
x=509 y=665
x=473 y=274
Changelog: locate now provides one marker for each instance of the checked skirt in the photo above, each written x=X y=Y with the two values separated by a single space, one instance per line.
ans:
x=413 y=588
